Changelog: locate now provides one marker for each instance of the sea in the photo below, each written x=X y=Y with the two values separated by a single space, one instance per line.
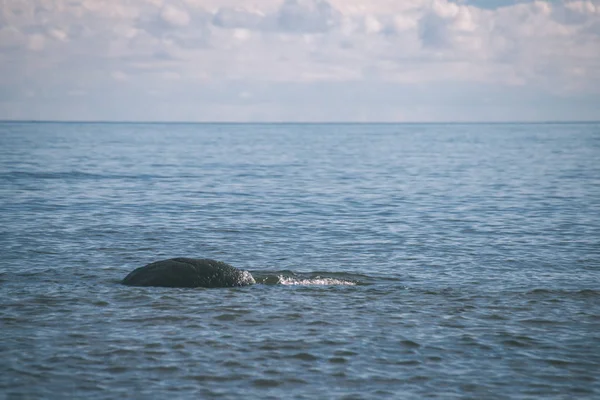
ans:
x=392 y=261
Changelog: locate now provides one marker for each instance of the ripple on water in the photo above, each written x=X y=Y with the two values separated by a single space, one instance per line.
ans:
x=410 y=344
x=305 y=357
x=266 y=383
x=462 y=264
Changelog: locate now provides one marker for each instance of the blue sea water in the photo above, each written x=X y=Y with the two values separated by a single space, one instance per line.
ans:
x=400 y=261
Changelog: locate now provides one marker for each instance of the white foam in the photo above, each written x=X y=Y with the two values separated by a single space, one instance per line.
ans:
x=247 y=278
x=287 y=280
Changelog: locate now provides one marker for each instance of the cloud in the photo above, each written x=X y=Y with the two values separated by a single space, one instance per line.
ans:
x=36 y=42
x=307 y=16
x=178 y=48
x=292 y=16
x=11 y=38
x=174 y=16
x=232 y=18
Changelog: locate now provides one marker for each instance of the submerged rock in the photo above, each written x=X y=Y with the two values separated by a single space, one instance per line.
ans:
x=189 y=273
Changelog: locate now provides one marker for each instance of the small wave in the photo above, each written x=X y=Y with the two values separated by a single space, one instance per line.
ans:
x=288 y=280
x=50 y=175
x=562 y=293
x=75 y=175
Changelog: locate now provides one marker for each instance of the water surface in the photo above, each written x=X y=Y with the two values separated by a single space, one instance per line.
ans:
x=393 y=261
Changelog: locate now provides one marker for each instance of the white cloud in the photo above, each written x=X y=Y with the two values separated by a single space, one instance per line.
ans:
x=176 y=48
x=241 y=34
x=11 y=38
x=307 y=16
x=36 y=42
x=119 y=76
x=233 y=18
x=58 y=34
x=372 y=24
x=174 y=16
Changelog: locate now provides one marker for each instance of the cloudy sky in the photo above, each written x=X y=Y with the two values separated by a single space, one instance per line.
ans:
x=300 y=60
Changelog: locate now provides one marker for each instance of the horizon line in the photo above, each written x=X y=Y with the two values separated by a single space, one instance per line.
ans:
x=57 y=121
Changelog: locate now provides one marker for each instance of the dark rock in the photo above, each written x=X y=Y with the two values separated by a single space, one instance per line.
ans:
x=188 y=272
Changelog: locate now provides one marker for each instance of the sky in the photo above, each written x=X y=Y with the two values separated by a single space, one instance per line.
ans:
x=300 y=60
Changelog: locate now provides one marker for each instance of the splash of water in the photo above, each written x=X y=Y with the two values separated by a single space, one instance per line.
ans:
x=288 y=280
x=246 y=278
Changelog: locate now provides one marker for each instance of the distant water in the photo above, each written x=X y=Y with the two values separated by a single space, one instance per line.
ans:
x=394 y=261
